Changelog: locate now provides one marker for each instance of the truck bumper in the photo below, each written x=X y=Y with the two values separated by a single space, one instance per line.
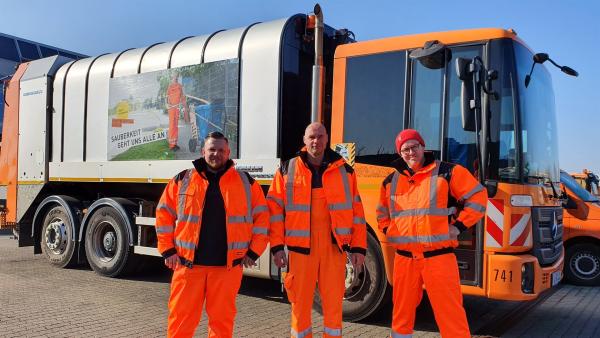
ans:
x=509 y=277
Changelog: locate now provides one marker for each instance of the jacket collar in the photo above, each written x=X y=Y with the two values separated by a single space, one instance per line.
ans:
x=202 y=167
x=403 y=168
x=330 y=157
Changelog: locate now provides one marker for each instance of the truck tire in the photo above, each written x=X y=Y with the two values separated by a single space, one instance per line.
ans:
x=366 y=293
x=107 y=243
x=57 y=238
x=582 y=265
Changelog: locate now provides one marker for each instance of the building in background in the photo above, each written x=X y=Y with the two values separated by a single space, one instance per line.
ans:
x=14 y=50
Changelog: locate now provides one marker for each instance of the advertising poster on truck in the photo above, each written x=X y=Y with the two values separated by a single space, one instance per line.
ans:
x=165 y=115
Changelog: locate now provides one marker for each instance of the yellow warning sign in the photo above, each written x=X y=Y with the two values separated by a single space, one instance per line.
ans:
x=346 y=150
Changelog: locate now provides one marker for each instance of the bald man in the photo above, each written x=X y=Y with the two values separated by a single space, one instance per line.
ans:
x=317 y=213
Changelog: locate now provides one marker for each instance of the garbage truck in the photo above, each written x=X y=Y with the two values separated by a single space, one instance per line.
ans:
x=80 y=175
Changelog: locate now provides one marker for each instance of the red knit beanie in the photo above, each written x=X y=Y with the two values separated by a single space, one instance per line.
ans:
x=408 y=134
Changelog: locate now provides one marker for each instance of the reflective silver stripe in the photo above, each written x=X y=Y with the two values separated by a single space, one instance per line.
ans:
x=347 y=204
x=258 y=209
x=433 y=185
x=475 y=206
x=239 y=219
x=279 y=201
x=417 y=239
x=357 y=199
x=332 y=332
x=340 y=206
x=393 y=187
x=382 y=217
x=423 y=212
x=188 y=218
x=401 y=335
x=289 y=190
x=297 y=233
x=184 y=244
x=297 y=207
x=289 y=185
x=260 y=231
x=475 y=190
x=247 y=189
x=381 y=209
x=276 y=218
x=185 y=182
x=358 y=220
x=343 y=231
x=165 y=229
x=301 y=334
x=165 y=207
x=237 y=245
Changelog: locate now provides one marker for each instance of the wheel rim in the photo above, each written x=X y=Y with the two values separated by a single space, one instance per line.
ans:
x=585 y=265
x=56 y=236
x=356 y=283
x=104 y=241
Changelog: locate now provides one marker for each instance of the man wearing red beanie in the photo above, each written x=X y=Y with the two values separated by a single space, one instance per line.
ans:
x=422 y=223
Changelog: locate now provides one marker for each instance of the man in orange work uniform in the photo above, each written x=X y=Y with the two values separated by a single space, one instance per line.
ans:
x=175 y=103
x=210 y=221
x=317 y=212
x=417 y=214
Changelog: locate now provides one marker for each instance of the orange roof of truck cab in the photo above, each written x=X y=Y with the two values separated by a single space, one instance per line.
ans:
x=418 y=40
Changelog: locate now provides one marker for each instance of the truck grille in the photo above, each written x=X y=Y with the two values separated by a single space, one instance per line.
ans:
x=547 y=234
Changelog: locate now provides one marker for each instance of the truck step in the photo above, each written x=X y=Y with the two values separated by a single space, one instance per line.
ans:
x=145 y=250
x=145 y=221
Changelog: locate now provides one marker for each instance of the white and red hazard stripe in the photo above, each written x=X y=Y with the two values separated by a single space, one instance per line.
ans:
x=494 y=230
x=520 y=235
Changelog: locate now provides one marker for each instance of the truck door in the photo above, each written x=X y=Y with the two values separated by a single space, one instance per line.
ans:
x=435 y=113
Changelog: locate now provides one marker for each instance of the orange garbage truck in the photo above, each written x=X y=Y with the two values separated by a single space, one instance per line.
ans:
x=581 y=233
x=79 y=187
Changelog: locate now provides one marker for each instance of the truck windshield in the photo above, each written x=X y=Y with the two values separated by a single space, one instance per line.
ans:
x=538 y=119
x=572 y=185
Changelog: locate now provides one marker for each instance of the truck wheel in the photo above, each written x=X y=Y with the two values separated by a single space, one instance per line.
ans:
x=107 y=243
x=366 y=292
x=582 y=266
x=56 y=239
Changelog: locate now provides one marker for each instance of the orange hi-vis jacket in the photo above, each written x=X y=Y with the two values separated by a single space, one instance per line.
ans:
x=289 y=201
x=415 y=210
x=179 y=215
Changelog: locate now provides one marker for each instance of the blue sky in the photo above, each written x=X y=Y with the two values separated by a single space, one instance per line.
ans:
x=568 y=30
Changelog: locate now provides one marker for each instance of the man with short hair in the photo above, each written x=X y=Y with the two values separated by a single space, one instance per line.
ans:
x=210 y=221
x=317 y=212
x=424 y=205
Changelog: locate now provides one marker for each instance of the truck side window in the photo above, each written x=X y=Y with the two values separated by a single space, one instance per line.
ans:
x=374 y=105
x=426 y=107
x=459 y=144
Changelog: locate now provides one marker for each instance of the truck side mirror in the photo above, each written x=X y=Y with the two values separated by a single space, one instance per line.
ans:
x=467 y=112
x=568 y=202
x=492 y=187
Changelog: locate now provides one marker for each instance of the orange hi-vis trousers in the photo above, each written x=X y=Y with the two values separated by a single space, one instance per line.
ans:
x=326 y=264
x=442 y=281
x=173 y=133
x=217 y=285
